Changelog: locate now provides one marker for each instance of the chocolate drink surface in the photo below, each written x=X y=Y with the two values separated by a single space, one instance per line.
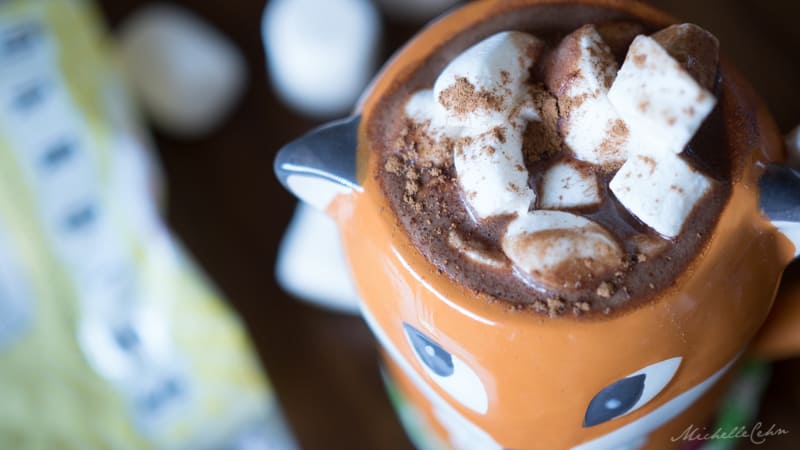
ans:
x=608 y=250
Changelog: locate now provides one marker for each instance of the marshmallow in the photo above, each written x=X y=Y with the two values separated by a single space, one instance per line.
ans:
x=187 y=75
x=422 y=107
x=480 y=100
x=661 y=189
x=649 y=246
x=426 y=111
x=580 y=72
x=492 y=174
x=320 y=53
x=559 y=250
x=694 y=48
x=480 y=86
x=473 y=252
x=658 y=98
x=567 y=186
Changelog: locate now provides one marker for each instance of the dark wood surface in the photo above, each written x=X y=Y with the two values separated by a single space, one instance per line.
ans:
x=226 y=206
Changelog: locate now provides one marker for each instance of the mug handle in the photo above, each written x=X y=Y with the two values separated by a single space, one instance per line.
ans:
x=779 y=338
x=321 y=164
x=779 y=188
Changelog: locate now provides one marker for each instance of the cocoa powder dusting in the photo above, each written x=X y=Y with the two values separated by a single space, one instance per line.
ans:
x=462 y=98
x=555 y=307
x=541 y=139
x=418 y=176
x=611 y=147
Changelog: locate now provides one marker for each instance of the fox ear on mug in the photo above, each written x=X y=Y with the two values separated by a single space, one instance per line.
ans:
x=321 y=164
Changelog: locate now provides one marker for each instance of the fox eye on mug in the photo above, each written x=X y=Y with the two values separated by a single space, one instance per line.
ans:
x=447 y=370
x=630 y=393
x=430 y=353
x=614 y=400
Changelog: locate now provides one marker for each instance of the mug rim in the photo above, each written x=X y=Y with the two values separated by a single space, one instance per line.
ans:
x=414 y=55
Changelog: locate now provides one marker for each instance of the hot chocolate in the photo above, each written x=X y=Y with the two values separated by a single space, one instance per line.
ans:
x=574 y=170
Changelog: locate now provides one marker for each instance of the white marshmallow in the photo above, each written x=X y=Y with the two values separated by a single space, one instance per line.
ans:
x=566 y=186
x=423 y=108
x=472 y=252
x=186 y=74
x=311 y=263
x=560 y=250
x=793 y=148
x=493 y=176
x=490 y=166
x=592 y=128
x=497 y=66
x=658 y=98
x=320 y=53
x=661 y=189
x=649 y=246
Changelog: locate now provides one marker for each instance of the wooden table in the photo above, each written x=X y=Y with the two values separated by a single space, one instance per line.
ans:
x=229 y=210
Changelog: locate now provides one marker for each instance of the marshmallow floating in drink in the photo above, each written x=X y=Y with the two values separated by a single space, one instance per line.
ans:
x=636 y=121
x=661 y=189
x=658 y=97
x=474 y=251
x=479 y=102
x=561 y=250
x=567 y=185
x=582 y=71
x=492 y=173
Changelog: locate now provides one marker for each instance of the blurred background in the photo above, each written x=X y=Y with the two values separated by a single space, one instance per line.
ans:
x=230 y=211
x=227 y=208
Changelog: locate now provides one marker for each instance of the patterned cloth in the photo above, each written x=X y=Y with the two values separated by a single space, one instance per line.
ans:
x=109 y=336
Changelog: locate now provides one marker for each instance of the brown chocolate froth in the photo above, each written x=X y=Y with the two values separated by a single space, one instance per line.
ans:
x=425 y=195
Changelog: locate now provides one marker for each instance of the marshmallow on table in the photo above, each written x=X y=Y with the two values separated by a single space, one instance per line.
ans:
x=480 y=100
x=661 y=189
x=558 y=250
x=580 y=74
x=694 y=48
x=567 y=186
x=658 y=98
x=320 y=53
x=187 y=75
x=311 y=263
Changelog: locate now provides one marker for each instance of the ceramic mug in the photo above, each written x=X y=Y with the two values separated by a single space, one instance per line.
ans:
x=484 y=377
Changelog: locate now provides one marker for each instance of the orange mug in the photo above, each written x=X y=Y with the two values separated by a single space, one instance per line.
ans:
x=482 y=375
